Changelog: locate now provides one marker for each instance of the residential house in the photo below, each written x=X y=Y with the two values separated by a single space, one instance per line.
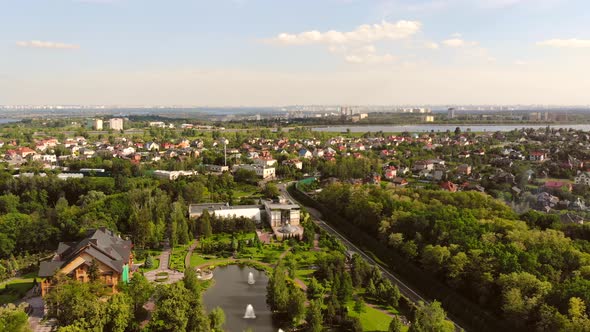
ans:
x=262 y=171
x=265 y=161
x=421 y=165
x=546 y=201
x=298 y=164
x=217 y=168
x=102 y=248
x=304 y=153
x=464 y=169
x=464 y=154
x=537 y=156
x=390 y=172
x=449 y=186
x=400 y=182
x=173 y=175
x=152 y=146
x=582 y=178
x=373 y=178
x=438 y=173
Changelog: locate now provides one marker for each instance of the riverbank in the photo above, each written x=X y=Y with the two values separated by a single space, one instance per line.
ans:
x=423 y=128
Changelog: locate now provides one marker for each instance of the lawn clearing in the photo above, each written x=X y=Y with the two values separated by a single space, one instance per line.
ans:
x=371 y=319
x=17 y=288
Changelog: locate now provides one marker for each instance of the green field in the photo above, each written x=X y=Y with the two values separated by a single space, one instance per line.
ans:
x=197 y=260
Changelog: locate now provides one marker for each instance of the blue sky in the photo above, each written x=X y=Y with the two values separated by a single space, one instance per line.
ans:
x=280 y=52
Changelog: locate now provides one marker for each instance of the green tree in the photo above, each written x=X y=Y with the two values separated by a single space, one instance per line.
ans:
x=71 y=301
x=191 y=282
x=315 y=289
x=315 y=318
x=395 y=325
x=93 y=270
x=271 y=190
x=172 y=309
x=119 y=312
x=359 y=305
x=434 y=257
x=522 y=292
x=14 y=319
x=178 y=218
x=205 y=230
x=217 y=319
x=345 y=290
x=296 y=304
x=371 y=290
x=354 y=324
x=277 y=290
x=139 y=290
x=9 y=203
x=149 y=262
x=431 y=317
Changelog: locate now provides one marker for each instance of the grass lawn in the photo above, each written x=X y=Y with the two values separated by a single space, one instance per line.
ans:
x=156 y=265
x=244 y=190
x=197 y=259
x=371 y=319
x=17 y=288
x=304 y=275
x=155 y=253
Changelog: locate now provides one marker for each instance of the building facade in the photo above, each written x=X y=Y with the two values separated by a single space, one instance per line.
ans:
x=102 y=248
x=116 y=124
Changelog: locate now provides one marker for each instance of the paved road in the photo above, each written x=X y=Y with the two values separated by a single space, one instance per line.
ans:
x=403 y=287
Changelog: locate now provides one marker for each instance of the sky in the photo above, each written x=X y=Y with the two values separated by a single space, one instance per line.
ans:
x=294 y=52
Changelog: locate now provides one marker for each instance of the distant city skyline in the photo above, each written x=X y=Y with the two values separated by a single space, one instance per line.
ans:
x=231 y=53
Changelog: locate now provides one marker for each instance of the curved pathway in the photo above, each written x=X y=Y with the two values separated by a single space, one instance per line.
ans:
x=187 y=259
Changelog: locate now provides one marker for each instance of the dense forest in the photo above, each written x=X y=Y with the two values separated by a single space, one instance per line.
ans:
x=515 y=266
x=38 y=212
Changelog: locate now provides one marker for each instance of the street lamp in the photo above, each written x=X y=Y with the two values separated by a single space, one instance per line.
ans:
x=225 y=143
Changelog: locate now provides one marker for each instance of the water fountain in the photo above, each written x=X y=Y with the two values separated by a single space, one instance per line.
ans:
x=249 y=312
x=251 y=278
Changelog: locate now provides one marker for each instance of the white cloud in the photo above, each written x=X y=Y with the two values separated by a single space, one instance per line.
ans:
x=47 y=44
x=457 y=42
x=566 y=43
x=356 y=46
x=431 y=45
x=367 y=55
x=365 y=33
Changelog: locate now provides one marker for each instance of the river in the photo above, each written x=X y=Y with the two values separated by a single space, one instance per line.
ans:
x=6 y=120
x=232 y=293
x=419 y=128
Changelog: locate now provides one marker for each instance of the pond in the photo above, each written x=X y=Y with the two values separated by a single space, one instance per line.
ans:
x=232 y=293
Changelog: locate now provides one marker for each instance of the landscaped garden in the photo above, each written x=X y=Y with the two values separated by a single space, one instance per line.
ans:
x=149 y=258
x=306 y=266
x=178 y=256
